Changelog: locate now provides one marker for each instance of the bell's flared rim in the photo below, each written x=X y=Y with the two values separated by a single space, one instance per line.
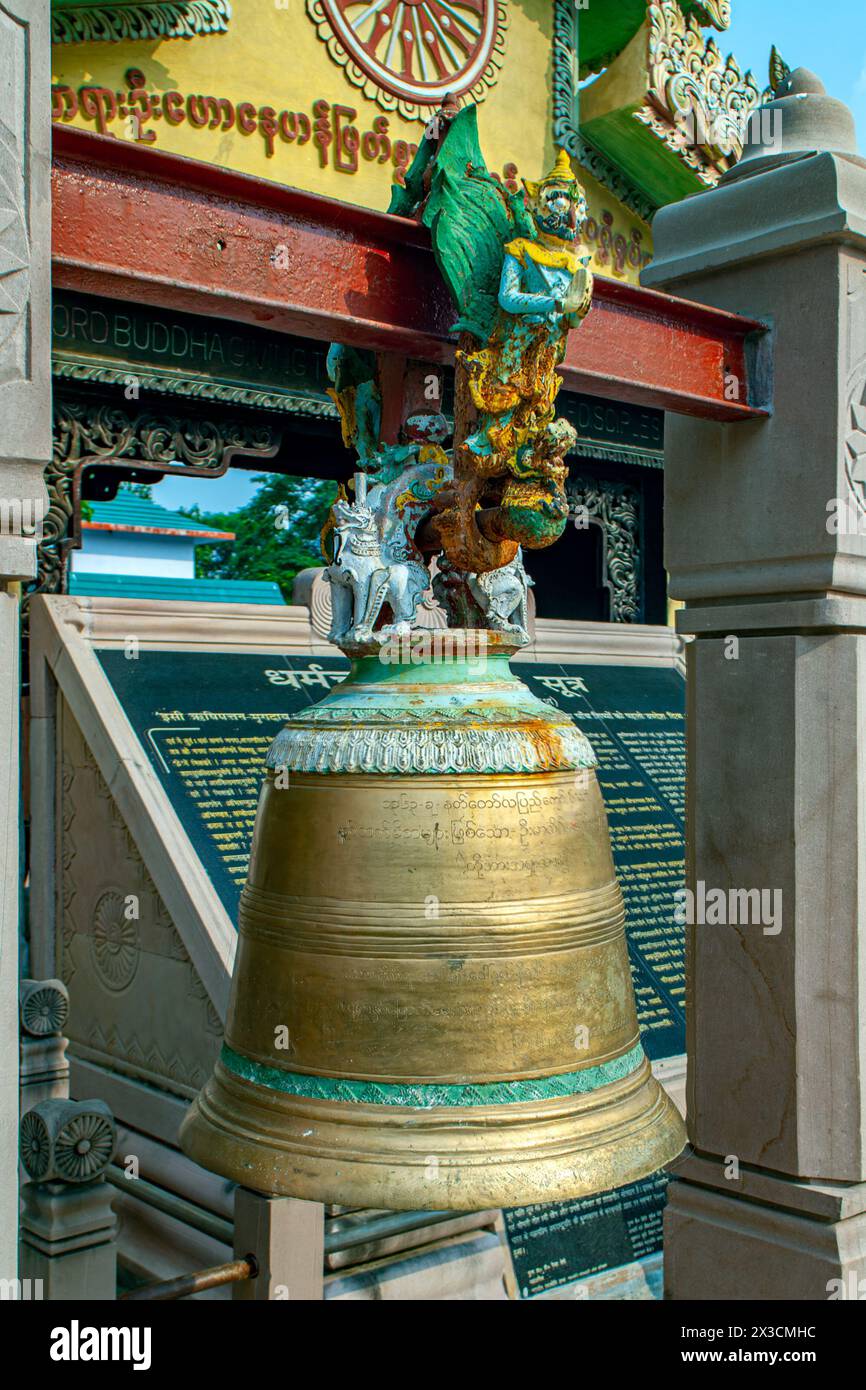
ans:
x=444 y=1158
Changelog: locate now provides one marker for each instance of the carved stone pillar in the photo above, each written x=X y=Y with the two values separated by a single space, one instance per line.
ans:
x=44 y=1007
x=68 y=1227
x=25 y=447
x=766 y=543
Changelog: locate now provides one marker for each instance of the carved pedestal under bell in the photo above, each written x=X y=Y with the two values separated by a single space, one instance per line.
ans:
x=432 y=1004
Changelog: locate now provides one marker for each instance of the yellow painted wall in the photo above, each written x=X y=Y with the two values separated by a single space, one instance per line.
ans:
x=272 y=57
x=622 y=243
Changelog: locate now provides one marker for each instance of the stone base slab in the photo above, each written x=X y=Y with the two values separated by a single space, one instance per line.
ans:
x=733 y=1246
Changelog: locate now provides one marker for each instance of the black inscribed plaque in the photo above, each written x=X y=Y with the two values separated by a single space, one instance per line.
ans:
x=564 y=1242
x=206 y=721
x=634 y=717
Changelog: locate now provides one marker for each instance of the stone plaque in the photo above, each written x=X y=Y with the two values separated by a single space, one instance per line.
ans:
x=562 y=1242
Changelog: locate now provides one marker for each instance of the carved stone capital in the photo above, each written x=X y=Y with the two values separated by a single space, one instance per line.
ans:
x=43 y=1007
x=67 y=1141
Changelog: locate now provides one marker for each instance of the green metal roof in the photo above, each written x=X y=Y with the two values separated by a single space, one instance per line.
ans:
x=177 y=590
x=128 y=511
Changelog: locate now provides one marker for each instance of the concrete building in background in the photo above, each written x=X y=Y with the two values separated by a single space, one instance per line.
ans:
x=133 y=548
x=132 y=535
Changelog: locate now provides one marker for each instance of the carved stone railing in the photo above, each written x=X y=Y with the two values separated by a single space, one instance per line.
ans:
x=43 y=1007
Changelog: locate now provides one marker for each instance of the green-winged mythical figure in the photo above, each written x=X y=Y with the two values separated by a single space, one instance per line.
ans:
x=520 y=278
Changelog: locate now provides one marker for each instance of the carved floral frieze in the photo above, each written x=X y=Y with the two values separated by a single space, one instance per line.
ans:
x=713 y=12
x=615 y=507
x=162 y=19
x=698 y=102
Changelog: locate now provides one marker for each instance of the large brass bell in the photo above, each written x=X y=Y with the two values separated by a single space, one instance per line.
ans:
x=432 y=1004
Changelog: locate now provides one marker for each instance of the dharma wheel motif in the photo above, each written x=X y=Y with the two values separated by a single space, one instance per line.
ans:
x=114 y=941
x=407 y=54
x=67 y=1140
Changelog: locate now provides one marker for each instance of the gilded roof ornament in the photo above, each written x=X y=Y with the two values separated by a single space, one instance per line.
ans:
x=711 y=13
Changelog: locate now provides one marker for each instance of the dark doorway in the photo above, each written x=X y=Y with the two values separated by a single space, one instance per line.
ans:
x=569 y=575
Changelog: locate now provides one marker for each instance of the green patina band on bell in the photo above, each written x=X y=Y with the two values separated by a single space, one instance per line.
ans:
x=425 y=1097
x=436 y=702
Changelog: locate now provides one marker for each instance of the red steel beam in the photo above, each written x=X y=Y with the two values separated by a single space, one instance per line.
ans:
x=134 y=223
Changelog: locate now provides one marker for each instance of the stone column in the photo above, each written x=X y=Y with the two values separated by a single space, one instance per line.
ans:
x=773 y=1204
x=25 y=447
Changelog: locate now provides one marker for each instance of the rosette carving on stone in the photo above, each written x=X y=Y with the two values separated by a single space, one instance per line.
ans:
x=68 y=1141
x=114 y=941
x=84 y=1145
x=43 y=1007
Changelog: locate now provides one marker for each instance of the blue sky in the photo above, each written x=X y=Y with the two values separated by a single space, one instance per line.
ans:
x=223 y=494
x=828 y=37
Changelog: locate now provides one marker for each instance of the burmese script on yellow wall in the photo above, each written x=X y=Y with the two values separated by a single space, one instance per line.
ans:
x=267 y=98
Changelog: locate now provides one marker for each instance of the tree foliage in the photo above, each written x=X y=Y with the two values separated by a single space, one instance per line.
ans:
x=276 y=532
